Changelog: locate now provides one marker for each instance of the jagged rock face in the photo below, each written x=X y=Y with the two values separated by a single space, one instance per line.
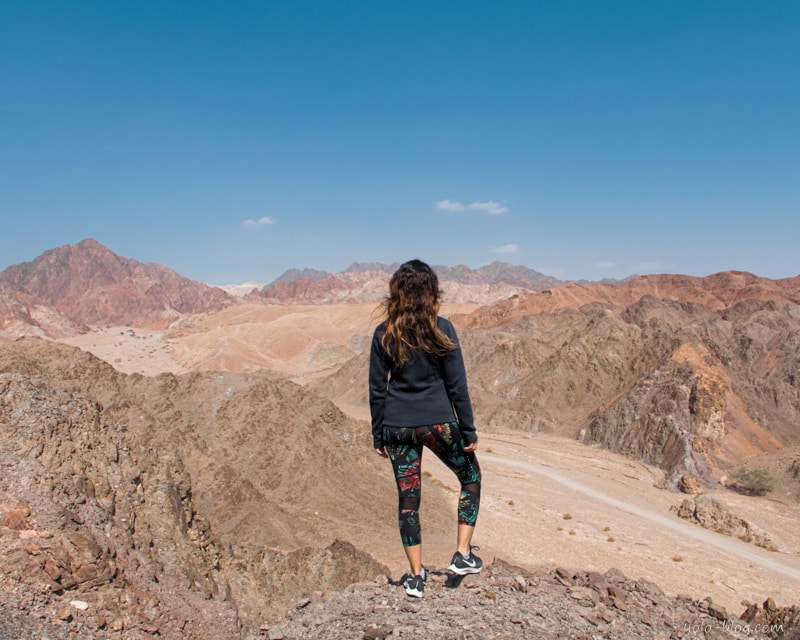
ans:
x=670 y=418
x=21 y=316
x=673 y=384
x=88 y=284
x=185 y=492
x=93 y=512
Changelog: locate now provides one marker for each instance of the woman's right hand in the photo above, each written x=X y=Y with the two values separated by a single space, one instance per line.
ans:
x=381 y=452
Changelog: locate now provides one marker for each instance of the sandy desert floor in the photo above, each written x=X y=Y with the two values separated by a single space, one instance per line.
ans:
x=554 y=501
x=547 y=501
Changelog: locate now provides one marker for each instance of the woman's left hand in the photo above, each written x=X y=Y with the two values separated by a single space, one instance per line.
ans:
x=381 y=452
x=471 y=447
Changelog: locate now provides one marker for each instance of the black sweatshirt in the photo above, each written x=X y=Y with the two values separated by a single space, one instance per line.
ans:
x=425 y=390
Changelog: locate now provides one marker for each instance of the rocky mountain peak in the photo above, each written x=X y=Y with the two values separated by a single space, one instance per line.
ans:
x=88 y=284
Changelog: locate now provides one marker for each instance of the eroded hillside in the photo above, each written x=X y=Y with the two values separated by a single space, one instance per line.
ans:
x=175 y=499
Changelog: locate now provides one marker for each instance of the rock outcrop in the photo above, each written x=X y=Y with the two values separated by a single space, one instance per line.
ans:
x=714 y=514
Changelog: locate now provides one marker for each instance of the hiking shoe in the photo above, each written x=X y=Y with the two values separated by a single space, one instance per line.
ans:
x=463 y=566
x=415 y=585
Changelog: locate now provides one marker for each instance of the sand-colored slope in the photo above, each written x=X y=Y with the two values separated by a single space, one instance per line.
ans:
x=302 y=342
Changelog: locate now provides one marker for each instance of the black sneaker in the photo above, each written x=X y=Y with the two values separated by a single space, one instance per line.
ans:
x=415 y=585
x=463 y=566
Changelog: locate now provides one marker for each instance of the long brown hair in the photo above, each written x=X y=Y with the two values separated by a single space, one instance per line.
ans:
x=411 y=309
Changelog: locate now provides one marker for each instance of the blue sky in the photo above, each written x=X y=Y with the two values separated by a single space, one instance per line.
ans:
x=234 y=140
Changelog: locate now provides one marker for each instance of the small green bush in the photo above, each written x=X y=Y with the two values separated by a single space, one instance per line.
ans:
x=756 y=482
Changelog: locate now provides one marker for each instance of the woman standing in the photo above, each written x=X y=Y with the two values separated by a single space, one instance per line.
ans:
x=418 y=397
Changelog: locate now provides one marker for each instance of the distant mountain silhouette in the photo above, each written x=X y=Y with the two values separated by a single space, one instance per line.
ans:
x=366 y=282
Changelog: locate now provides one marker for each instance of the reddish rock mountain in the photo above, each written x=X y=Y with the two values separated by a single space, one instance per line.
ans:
x=19 y=315
x=87 y=284
x=714 y=292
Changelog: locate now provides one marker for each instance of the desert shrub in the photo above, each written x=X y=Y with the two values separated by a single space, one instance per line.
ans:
x=756 y=482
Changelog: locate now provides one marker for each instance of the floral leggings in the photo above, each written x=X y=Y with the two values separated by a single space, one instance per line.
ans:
x=404 y=448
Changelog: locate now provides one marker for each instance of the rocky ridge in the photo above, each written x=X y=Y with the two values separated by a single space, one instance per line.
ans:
x=508 y=602
x=715 y=292
x=70 y=289
x=185 y=506
x=123 y=492
x=691 y=374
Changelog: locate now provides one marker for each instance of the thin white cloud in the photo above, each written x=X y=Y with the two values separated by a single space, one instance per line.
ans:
x=506 y=249
x=261 y=222
x=605 y=264
x=490 y=207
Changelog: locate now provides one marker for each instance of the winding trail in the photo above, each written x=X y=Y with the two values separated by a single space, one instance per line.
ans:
x=743 y=550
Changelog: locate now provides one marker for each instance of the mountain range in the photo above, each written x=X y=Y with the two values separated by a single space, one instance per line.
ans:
x=71 y=288
x=690 y=374
x=239 y=465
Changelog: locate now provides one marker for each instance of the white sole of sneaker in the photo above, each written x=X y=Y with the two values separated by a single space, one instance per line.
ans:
x=464 y=572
